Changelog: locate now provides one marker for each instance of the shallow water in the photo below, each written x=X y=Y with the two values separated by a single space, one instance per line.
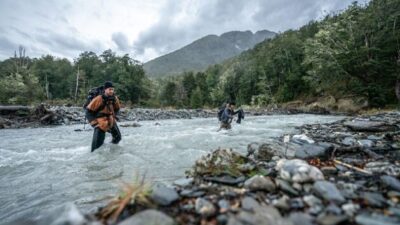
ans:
x=41 y=168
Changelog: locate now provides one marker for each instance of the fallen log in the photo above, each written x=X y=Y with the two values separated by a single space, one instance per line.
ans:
x=12 y=109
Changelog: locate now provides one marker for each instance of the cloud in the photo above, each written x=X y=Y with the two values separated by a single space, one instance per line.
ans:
x=7 y=47
x=181 y=23
x=144 y=29
x=121 y=40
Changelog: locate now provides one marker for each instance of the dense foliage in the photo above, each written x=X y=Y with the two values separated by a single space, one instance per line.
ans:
x=26 y=80
x=352 y=53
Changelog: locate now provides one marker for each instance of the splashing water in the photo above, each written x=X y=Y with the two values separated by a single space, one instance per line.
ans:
x=42 y=168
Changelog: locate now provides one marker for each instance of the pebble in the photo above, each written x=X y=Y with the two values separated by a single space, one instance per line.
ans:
x=205 y=207
x=328 y=191
x=391 y=182
x=163 y=195
x=297 y=170
x=350 y=209
x=260 y=183
x=149 y=216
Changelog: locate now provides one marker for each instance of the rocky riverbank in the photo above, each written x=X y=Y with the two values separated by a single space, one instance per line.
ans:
x=45 y=115
x=345 y=172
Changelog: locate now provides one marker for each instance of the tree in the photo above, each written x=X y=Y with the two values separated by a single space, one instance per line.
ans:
x=19 y=84
x=196 y=100
x=168 y=94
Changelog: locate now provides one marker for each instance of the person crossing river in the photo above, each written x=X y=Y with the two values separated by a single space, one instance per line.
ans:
x=101 y=113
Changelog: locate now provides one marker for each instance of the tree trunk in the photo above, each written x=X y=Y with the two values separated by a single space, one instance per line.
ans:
x=77 y=85
x=47 y=88
x=398 y=89
x=6 y=110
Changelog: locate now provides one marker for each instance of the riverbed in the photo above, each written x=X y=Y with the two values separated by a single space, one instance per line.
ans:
x=41 y=168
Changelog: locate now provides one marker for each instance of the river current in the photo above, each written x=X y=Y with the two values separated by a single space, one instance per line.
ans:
x=41 y=168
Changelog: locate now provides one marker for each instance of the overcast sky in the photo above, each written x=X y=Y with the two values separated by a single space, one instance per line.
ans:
x=144 y=29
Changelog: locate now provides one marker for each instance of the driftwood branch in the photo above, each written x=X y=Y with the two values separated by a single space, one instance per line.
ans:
x=352 y=167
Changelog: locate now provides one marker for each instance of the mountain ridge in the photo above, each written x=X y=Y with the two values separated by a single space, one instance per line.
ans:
x=205 y=51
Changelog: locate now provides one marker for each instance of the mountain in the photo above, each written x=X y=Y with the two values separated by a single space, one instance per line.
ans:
x=205 y=51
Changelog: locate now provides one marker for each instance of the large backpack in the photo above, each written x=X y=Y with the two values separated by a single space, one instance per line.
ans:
x=92 y=94
x=220 y=112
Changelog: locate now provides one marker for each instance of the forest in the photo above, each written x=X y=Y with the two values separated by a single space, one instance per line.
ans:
x=355 y=52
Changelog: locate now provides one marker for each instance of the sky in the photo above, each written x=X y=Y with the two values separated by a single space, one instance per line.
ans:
x=143 y=29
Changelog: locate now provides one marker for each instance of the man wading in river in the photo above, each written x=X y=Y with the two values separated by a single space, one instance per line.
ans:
x=101 y=115
x=227 y=116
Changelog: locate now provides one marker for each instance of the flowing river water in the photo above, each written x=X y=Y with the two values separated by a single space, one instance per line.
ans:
x=41 y=168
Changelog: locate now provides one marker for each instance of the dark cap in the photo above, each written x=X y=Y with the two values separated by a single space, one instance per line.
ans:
x=108 y=84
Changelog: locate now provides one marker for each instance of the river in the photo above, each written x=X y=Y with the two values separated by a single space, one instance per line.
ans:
x=41 y=168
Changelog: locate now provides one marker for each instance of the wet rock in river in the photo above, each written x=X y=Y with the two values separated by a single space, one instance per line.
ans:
x=296 y=203
x=391 y=182
x=260 y=183
x=331 y=219
x=149 y=216
x=249 y=204
x=373 y=219
x=223 y=205
x=302 y=138
x=374 y=138
x=349 y=141
x=184 y=182
x=246 y=167
x=297 y=170
x=350 y=209
x=310 y=151
x=265 y=153
x=286 y=187
x=311 y=200
x=163 y=195
x=267 y=215
x=192 y=193
x=301 y=218
x=226 y=179
x=64 y=214
x=332 y=208
x=366 y=143
x=369 y=126
x=282 y=203
x=205 y=207
x=383 y=168
x=328 y=191
x=252 y=148
x=221 y=161
x=329 y=170
x=374 y=199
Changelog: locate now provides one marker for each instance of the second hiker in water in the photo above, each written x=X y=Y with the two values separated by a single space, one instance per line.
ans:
x=227 y=116
x=101 y=113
